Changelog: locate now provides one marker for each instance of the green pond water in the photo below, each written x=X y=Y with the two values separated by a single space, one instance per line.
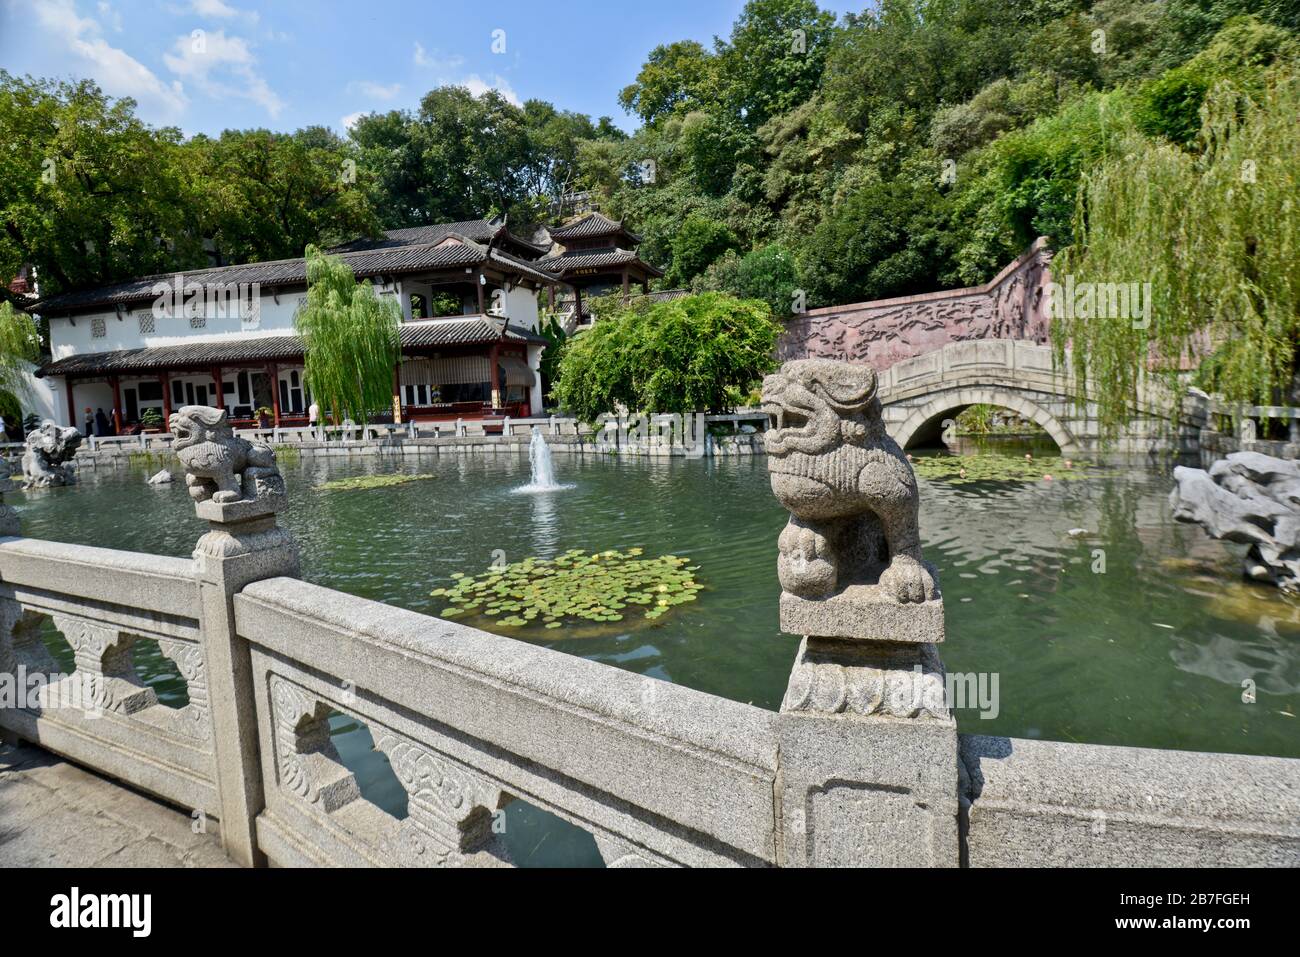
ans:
x=1150 y=649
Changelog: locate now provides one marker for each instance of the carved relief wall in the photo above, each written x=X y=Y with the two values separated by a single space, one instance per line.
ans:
x=887 y=331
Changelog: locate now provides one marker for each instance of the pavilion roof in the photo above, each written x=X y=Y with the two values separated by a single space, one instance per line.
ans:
x=592 y=225
x=564 y=263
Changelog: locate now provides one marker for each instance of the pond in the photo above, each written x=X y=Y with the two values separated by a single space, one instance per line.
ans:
x=1133 y=630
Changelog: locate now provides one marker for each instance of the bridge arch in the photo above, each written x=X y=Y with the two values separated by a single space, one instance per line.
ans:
x=950 y=402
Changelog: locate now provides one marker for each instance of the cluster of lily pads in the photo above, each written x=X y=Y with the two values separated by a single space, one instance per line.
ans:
x=371 y=481
x=595 y=587
x=967 y=469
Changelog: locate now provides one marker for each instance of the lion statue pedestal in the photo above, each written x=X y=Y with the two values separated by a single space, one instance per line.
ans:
x=868 y=745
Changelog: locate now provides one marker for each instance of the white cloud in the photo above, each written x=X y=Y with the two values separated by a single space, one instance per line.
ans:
x=478 y=86
x=109 y=16
x=349 y=121
x=119 y=73
x=435 y=60
x=376 y=91
x=222 y=66
x=219 y=10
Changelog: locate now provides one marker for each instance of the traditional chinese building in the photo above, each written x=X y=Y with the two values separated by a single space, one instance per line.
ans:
x=596 y=256
x=224 y=336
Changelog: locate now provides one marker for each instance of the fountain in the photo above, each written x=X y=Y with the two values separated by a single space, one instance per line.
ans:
x=543 y=469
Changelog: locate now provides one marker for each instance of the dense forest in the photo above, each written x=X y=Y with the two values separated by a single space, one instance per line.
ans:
x=918 y=145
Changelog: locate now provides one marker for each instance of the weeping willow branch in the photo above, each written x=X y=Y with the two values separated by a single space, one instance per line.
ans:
x=351 y=337
x=1215 y=233
x=19 y=343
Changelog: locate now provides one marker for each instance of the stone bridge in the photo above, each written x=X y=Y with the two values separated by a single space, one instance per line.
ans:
x=920 y=394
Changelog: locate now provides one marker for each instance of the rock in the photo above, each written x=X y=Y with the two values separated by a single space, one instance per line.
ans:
x=1251 y=499
x=162 y=478
x=47 y=458
x=1078 y=533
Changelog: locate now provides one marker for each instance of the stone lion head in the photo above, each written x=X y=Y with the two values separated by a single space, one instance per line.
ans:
x=816 y=405
x=196 y=424
x=54 y=443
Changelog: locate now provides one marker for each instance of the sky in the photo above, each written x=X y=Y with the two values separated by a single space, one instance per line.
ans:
x=209 y=65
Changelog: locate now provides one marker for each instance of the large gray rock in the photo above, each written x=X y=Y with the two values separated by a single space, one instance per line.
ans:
x=1251 y=499
x=47 y=459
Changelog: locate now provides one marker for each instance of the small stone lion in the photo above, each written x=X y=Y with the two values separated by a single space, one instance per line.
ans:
x=47 y=458
x=850 y=490
x=219 y=465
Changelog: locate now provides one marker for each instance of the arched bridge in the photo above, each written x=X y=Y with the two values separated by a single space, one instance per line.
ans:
x=919 y=394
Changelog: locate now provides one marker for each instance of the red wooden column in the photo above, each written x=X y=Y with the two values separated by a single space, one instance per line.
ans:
x=577 y=305
x=625 y=285
x=221 y=395
x=496 y=378
x=72 y=407
x=166 y=381
x=117 y=404
x=273 y=371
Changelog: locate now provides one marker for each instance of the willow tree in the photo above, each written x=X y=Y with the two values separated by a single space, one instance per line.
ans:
x=19 y=345
x=1216 y=232
x=351 y=338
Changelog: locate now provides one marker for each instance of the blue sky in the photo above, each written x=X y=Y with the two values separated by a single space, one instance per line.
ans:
x=292 y=63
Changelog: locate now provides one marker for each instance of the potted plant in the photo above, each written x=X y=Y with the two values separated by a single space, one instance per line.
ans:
x=151 y=420
x=264 y=416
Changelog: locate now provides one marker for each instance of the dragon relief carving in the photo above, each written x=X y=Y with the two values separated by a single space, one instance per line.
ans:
x=220 y=466
x=850 y=491
x=47 y=459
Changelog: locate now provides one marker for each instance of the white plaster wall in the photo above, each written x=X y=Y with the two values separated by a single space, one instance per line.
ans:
x=74 y=336
x=535 y=363
x=521 y=308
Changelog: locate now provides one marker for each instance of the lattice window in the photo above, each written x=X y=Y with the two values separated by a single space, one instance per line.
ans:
x=146 y=323
x=98 y=328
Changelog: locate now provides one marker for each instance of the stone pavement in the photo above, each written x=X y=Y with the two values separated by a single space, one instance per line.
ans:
x=56 y=814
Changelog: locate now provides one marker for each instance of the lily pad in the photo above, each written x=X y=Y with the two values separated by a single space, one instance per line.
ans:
x=602 y=588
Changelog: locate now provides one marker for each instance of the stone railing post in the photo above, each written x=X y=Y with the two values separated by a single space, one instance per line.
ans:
x=8 y=514
x=867 y=747
x=238 y=490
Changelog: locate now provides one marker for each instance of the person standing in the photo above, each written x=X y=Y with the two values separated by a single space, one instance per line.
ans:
x=313 y=416
x=102 y=427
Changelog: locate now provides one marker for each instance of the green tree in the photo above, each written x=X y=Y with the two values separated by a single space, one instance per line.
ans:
x=697 y=244
x=19 y=346
x=688 y=355
x=267 y=196
x=767 y=273
x=1216 y=235
x=351 y=339
x=680 y=75
x=89 y=195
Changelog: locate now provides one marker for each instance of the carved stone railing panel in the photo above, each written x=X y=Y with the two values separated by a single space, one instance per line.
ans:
x=104 y=603
x=188 y=659
x=450 y=809
x=470 y=720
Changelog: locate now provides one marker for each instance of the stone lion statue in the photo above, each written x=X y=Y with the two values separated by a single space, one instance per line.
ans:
x=219 y=465
x=850 y=490
x=47 y=459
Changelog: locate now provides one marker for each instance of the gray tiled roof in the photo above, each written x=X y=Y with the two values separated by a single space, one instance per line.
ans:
x=591 y=225
x=403 y=258
x=594 y=259
x=472 y=330
x=477 y=230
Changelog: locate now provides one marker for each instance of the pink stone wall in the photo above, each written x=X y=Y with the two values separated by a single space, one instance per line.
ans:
x=887 y=331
